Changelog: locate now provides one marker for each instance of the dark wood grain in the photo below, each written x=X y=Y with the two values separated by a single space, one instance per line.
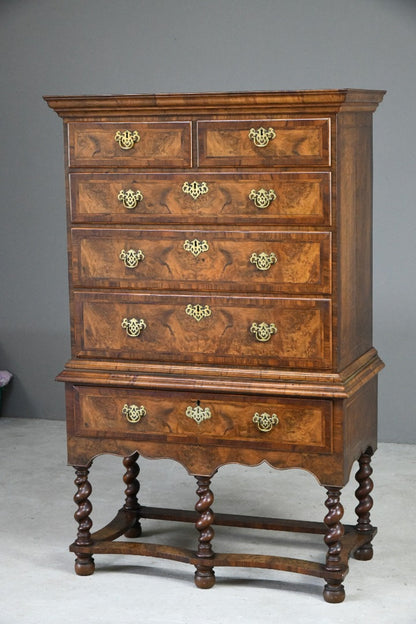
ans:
x=84 y=563
x=298 y=142
x=314 y=382
x=161 y=144
x=304 y=425
x=287 y=382
x=334 y=590
x=365 y=504
x=302 y=335
x=257 y=103
x=131 y=504
x=301 y=198
x=354 y=217
x=204 y=574
x=301 y=260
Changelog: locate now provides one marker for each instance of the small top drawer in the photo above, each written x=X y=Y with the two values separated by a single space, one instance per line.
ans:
x=263 y=142
x=144 y=144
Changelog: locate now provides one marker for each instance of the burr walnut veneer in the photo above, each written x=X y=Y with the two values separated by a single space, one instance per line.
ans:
x=221 y=308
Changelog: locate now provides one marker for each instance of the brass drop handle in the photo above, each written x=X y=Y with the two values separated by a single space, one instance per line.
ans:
x=126 y=139
x=133 y=413
x=262 y=198
x=263 y=331
x=263 y=261
x=129 y=198
x=195 y=246
x=261 y=136
x=131 y=257
x=133 y=326
x=198 y=311
x=197 y=413
x=265 y=422
x=195 y=189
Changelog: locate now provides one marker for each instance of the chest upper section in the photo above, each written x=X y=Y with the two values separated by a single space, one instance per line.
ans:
x=221 y=229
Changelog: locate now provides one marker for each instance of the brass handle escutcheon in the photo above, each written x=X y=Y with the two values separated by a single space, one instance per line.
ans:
x=263 y=331
x=195 y=189
x=129 y=198
x=133 y=326
x=195 y=246
x=131 y=257
x=133 y=413
x=197 y=413
x=261 y=136
x=198 y=311
x=262 y=198
x=265 y=422
x=126 y=139
x=263 y=261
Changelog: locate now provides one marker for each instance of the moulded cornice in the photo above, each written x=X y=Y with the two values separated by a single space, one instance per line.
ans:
x=278 y=102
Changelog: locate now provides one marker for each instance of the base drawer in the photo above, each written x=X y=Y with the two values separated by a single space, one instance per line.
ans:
x=271 y=423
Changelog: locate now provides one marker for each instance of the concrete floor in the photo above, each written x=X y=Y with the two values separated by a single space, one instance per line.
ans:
x=38 y=585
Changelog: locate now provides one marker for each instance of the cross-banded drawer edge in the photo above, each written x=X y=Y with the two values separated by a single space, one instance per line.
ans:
x=258 y=422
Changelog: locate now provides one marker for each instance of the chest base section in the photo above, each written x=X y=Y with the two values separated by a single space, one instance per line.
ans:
x=205 y=430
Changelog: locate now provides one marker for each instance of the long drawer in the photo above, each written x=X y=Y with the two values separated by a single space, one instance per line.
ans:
x=273 y=423
x=264 y=142
x=141 y=144
x=247 y=331
x=260 y=261
x=266 y=198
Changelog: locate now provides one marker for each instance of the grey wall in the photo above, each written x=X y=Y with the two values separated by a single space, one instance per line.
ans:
x=144 y=46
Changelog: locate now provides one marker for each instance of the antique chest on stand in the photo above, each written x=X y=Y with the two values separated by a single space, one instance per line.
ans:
x=221 y=307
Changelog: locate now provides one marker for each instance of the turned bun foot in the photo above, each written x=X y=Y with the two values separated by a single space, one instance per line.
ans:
x=364 y=553
x=334 y=593
x=84 y=566
x=204 y=579
x=134 y=531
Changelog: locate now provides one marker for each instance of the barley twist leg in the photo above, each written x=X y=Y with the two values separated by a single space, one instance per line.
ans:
x=365 y=504
x=84 y=563
x=334 y=590
x=132 y=488
x=204 y=575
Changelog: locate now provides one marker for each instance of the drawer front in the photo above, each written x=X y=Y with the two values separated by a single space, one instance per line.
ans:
x=261 y=261
x=264 y=142
x=142 y=144
x=294 y=425
x=282 y=198
x=232 y=330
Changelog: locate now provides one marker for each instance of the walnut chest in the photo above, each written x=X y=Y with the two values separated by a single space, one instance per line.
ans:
x=221 y=306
